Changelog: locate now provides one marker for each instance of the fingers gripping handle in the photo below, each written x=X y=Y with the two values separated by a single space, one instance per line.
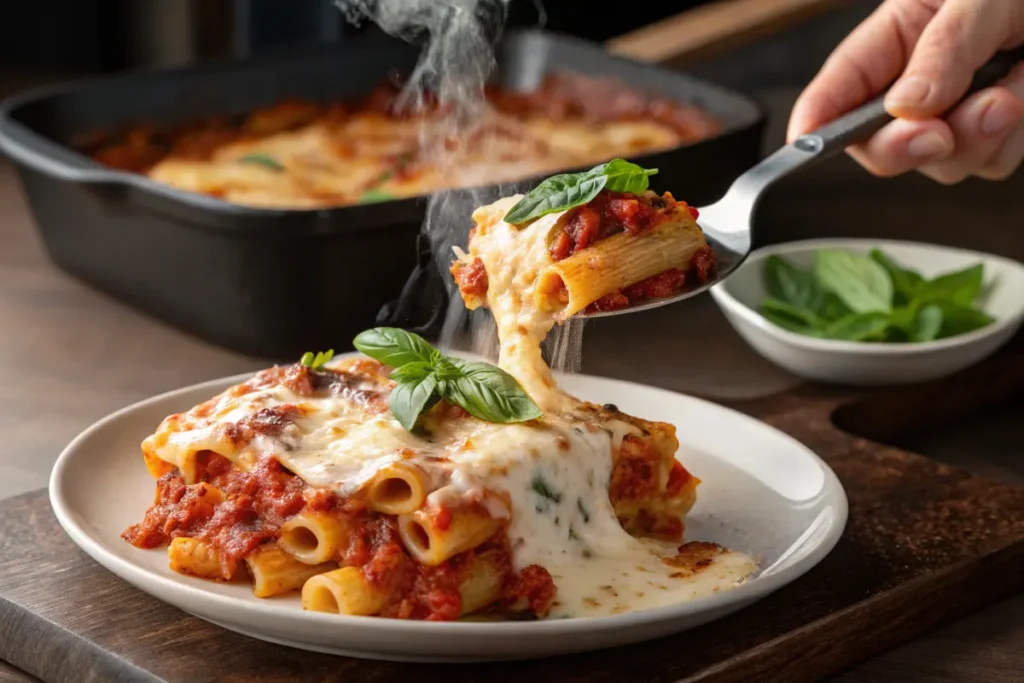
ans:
x=862 y=122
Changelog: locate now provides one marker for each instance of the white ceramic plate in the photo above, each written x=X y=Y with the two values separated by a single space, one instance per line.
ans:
x=762 y=492
x=860 y=363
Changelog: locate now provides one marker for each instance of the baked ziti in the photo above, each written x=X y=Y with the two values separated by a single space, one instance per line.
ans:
x=405 y=483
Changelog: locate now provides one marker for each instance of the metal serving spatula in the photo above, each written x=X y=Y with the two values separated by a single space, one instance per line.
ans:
x=727 y=222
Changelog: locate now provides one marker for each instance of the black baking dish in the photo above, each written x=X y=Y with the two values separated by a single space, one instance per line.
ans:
x=275 y=283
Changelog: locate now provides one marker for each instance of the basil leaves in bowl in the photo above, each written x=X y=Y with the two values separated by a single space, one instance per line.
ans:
x=871 y=312
x=871 y=297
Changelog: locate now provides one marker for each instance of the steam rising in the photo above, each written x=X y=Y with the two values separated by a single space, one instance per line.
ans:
x=458 y=39
x=458 y=54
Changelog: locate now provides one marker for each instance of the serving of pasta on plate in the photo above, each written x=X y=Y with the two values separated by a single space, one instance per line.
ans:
x=405 y=483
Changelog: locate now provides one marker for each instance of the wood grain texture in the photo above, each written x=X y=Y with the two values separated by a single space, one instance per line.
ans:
x=8 y=674
x=714 y=27
x=924 y=543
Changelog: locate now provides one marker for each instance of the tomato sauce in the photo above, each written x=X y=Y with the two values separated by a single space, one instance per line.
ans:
x=611 y=213
x=471 y=278
x=256 y=503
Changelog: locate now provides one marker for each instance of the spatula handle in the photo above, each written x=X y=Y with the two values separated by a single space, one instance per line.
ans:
x=745 y=193
x=861 y=123
x=833 y=138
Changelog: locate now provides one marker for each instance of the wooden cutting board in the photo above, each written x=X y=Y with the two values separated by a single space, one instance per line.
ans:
x=925 y=543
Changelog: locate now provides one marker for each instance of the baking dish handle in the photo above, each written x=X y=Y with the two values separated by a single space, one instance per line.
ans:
x=424 y=295
x=28 y=148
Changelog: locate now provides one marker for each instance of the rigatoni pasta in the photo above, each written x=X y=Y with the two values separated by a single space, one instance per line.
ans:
x=344 y=591
x=482 y=581
x=195 y=557
x=431 y=542
x=397 y=489
x=617 y=249
x=276 y=572
x=617 y=262
x=314 y=537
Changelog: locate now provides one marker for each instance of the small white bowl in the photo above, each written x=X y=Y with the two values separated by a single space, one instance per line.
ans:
x=866 y=363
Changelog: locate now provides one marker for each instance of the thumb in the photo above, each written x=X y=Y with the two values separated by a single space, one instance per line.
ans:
x=963 y=35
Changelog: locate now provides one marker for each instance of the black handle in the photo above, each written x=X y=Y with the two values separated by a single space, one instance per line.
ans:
x=862 y=122
x=422 y=305
x=24 y=146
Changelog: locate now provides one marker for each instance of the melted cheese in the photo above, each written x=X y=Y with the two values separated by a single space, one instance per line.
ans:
x=513 y=258
x=598 y=568
x=550 y=477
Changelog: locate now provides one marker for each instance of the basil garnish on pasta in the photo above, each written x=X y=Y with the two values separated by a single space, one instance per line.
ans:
x=423 y=376
x=569 y=190
x=260 y=159
x=317 y=360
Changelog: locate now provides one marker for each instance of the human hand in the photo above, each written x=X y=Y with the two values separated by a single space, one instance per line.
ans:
x=934 y=47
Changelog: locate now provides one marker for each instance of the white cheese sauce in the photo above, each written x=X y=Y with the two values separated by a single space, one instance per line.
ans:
x=562 y=518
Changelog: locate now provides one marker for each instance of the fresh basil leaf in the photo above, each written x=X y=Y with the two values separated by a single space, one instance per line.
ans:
x=832 y=308
x=905 y=282
x=788 y=283
x=489 y=393
x=395 y=347
x=904 y=317
x=557 y=193
x=374 y=196
x=895 y=335
x=927 y=324
x=409 y=398
x=791 y=285
x=264 y=160
x=870 y=326
x=792 y=317
x=568 y=190
x=856 y=279
x=961 y=287
x=307 y=359
x=411 y=372
x=957 y=320
x=624 y=176
x=791 y=325
x=447 y=369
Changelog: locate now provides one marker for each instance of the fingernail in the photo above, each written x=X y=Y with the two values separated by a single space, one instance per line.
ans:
x=908 y=92
x=999 y=117
x=928 y=146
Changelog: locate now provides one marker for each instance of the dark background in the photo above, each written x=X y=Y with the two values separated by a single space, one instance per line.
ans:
x=102 y=35
x=49 y=40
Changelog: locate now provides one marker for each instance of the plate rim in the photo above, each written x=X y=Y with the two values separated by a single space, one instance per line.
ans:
x=746 y=593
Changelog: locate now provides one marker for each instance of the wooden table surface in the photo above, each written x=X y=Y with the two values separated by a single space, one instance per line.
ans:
x=69 y=356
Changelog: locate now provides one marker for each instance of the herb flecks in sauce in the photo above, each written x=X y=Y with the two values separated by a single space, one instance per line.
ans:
x=540 y=486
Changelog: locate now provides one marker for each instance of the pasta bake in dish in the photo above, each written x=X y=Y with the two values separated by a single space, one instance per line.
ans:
x=306 y=155
x=404 y=483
